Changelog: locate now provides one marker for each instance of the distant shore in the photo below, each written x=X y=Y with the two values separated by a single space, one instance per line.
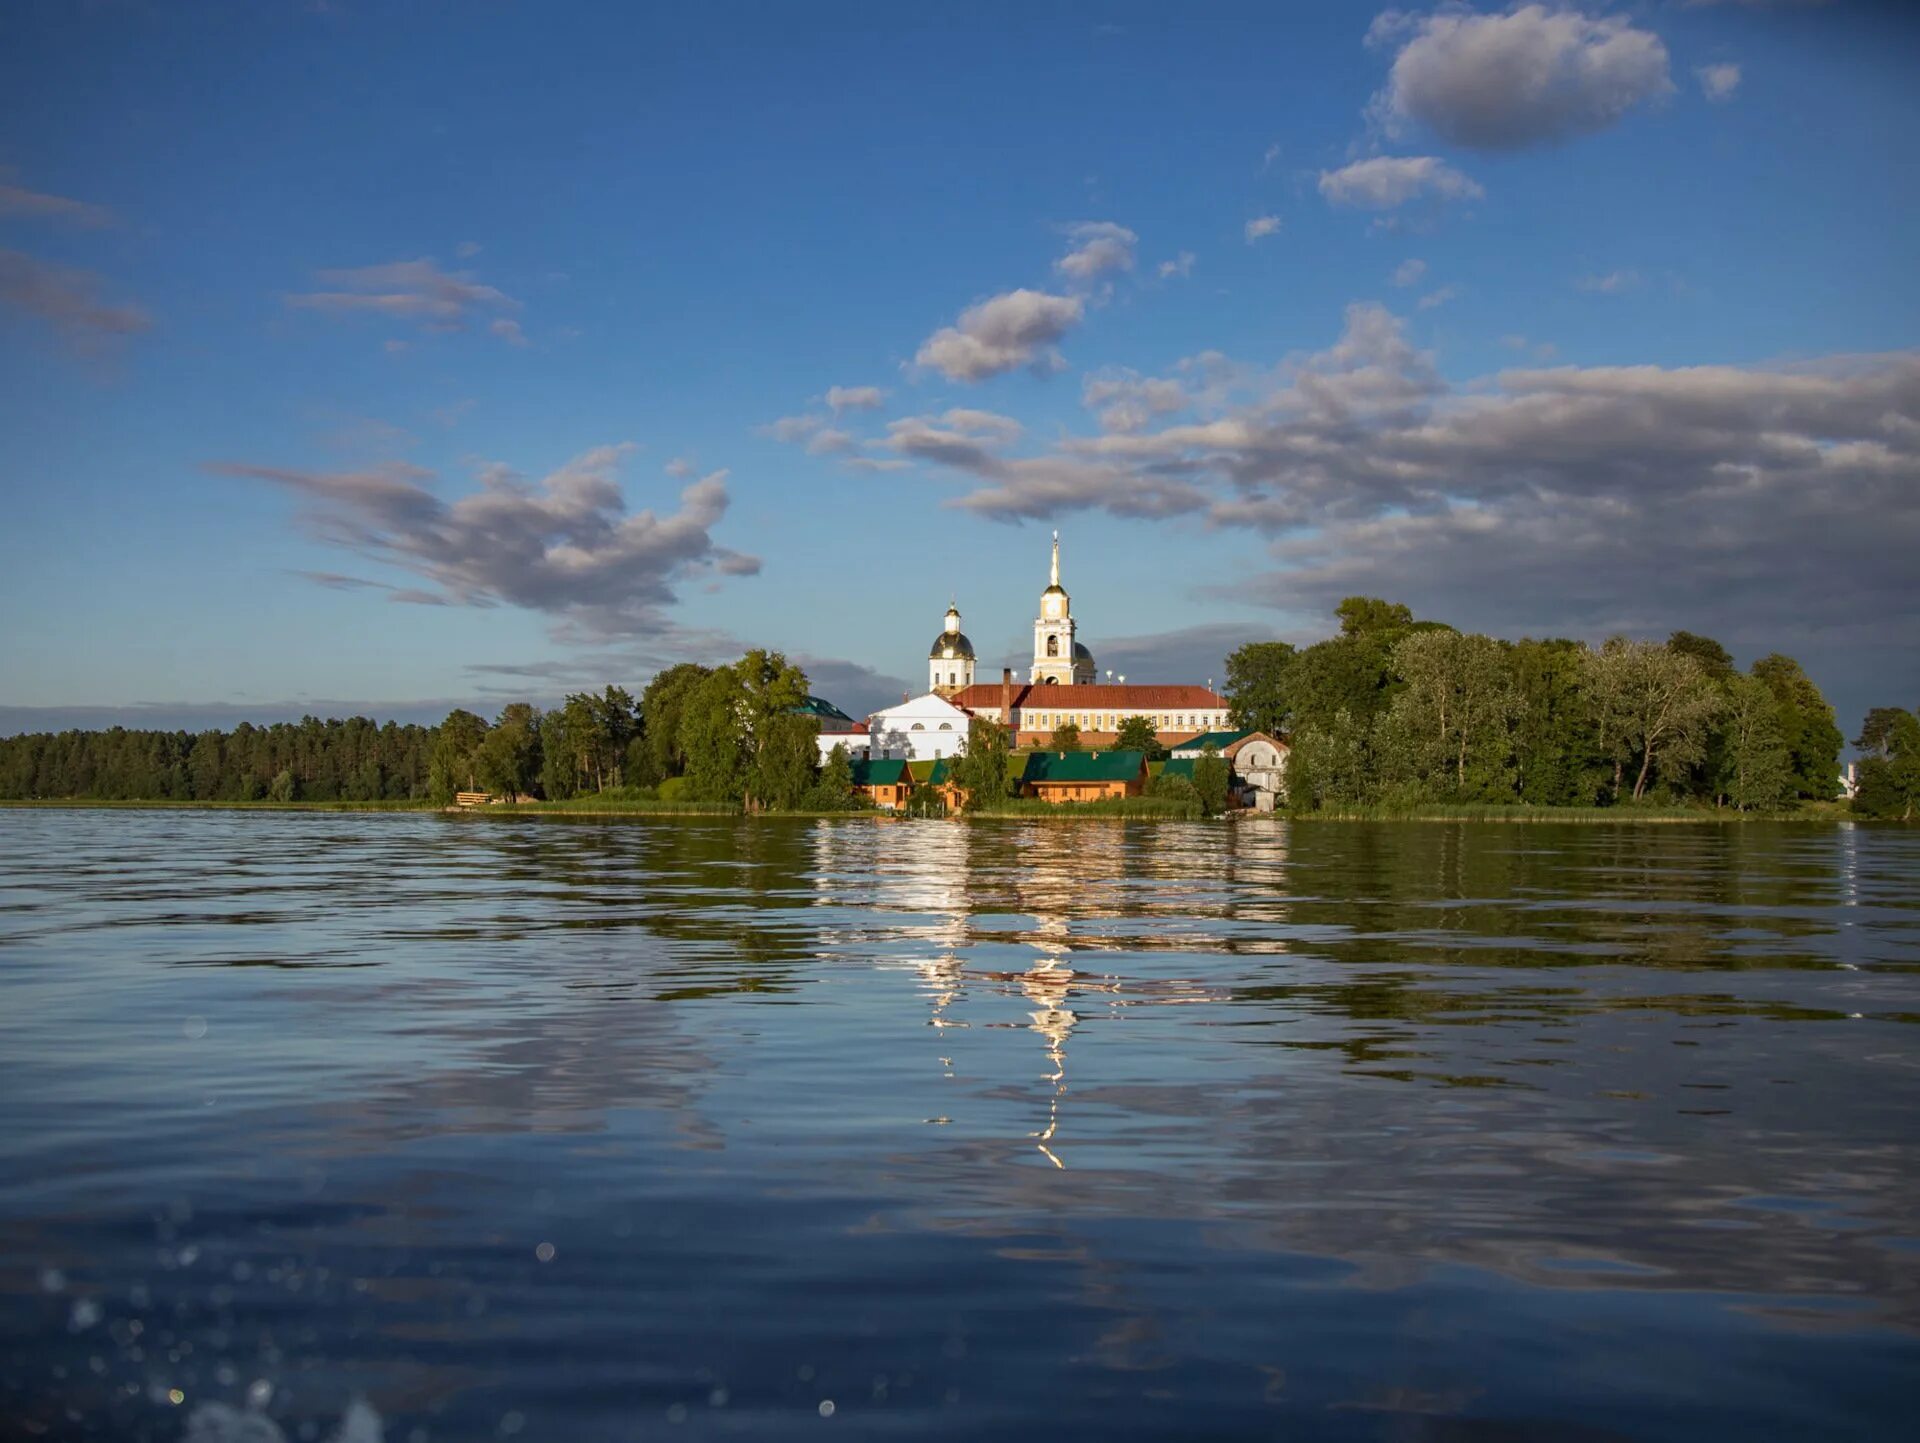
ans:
x=1819 y=813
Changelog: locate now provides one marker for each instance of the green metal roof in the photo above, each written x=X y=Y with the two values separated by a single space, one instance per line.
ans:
x=1115 y=766
x=1179 y=767
x=818 y=706
x=1219 y=741
x=881 y=772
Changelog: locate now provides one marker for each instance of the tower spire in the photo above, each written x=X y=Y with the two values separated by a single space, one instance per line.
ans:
x=1056 y=558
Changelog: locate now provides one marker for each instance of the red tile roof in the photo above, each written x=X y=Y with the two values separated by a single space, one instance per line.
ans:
x=985 y=697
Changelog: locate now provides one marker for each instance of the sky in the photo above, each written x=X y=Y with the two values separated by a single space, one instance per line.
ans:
x=378 y=357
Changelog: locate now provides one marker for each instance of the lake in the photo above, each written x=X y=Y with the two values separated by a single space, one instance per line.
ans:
x=425 y=1128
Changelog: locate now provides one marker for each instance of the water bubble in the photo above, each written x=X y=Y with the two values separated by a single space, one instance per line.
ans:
x=804 y=1372
x=194 y=1028
x=53 y=1280
x=83 y=1315
x=677 y=1413
x=259 y=1393
x=511 y=1423
x=717 y=1398
x=826 y=1407
x=544 y=1252
x=176 y=1397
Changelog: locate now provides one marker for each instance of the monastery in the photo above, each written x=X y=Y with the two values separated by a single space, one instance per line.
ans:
x=1060 y=687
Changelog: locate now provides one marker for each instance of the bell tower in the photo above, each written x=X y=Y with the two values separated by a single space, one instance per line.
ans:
x=950 y=659
x=1054 y=651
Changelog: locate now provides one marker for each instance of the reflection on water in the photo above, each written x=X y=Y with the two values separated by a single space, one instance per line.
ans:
x=589 y=1131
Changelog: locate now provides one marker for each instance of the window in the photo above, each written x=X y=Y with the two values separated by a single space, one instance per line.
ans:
x=1053 y=646
x=946 y=726
x=953 y=678
x=918 y=727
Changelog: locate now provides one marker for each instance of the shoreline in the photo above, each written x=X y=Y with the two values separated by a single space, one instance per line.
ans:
x=1814 y=815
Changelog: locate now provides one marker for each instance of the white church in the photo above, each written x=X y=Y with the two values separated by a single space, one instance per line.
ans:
x=1059 y=689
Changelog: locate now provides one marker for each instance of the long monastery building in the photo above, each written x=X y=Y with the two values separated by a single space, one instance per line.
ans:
x=1060 y=688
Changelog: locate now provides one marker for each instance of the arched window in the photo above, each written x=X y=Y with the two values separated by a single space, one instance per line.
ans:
x=946 y=726
x=1053 y=646
x=917 y=727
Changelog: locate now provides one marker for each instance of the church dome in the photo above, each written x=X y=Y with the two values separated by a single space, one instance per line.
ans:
x=951 y=646
x=1080 y=652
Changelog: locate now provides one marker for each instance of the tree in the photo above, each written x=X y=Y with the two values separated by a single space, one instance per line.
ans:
x=456 y=750
x=1553 y=736
x=1807 y=726
x=1652 y=709
x=1330 y=763
x=1875 y=732
x=1715 y=660
x=1138 y=734
x=509 y=760
x=1889 y=779
x=712 y=739
x=1360 y=615
x=1754 y=769
x=833 y=790
x=1065 y=738
x=1212 y=778
x=980 y=771
x=1257 y=695
x=1450 y=727
x=662 y=705
x=782 y=769
x=616 y=724
x=284 y=788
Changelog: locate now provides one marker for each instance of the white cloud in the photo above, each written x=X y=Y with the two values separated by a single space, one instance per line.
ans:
x=1531 y=76
x=1099 y=246
x=1002 y=333
x=1409 y=272
x=1128 y=401
x=1718 y=82
x=854 y=398
x=1181 y=265
x=566 y=546
x=1434 y=299
x=1262 y=226
x=415 y=290
x=1387 y=181
x=467 y=250
x=509 y=331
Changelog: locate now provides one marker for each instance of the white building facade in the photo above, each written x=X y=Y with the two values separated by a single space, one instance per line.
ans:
x=950 y=659
x=919 y=729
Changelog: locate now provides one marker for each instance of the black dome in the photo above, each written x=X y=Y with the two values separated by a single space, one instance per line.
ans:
x=1080 y=652
x=962 y=648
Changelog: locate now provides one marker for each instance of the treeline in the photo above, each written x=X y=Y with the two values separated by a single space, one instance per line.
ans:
x=356 y=760
x=1398 y=712
x=1887 y=778
x=731 y=734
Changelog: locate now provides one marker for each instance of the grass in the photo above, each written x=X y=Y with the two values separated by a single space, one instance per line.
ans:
x=166 y=804
x=1824 y=812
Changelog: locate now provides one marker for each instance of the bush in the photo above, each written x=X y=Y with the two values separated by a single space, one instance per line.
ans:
x=673 y=789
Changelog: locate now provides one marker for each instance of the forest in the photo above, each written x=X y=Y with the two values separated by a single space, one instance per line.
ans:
x=1391 y=713
x=1396 y=713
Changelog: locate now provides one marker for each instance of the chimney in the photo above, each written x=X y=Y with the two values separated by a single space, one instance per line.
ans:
x=1006 y=697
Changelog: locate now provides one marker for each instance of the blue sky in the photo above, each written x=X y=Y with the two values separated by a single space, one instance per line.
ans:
x=337 y=342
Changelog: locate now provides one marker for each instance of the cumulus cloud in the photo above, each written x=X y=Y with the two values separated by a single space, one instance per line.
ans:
x=18 y=203
x=415 y=290
x=1099 y=246
x=1387 y=181
x=566 y=546
x=1002 y=333
x=854 y=398
x=508 y=331
x=1409 y=272
x=1181 y=265
x=1432 y=300
x=1772 y=506
x=1128 y=401
x=1531 y=76
x=1718 y=82
x=67 y=299
x=1262 y=226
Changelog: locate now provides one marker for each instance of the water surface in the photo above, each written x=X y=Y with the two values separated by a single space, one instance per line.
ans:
x=575 y=1130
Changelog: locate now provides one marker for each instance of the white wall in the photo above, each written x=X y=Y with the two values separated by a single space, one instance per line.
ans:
x=920 y=729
